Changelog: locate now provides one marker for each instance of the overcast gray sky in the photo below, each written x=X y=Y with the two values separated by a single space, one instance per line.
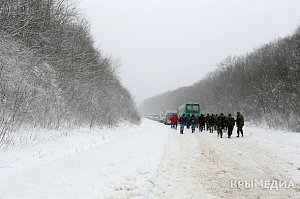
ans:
x=166 y=44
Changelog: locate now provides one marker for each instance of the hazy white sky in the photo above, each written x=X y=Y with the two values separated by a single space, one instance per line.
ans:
x=166 y=44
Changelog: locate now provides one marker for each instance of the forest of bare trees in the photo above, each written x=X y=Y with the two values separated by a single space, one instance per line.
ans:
x=51 y=74
x=264 y=85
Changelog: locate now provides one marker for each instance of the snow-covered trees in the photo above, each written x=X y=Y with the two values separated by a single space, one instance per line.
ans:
x=264 y=85
x=51 y=74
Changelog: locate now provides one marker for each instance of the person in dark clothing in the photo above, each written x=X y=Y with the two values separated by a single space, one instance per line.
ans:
x=215 y=122
x=212 y=123
x=226 y=122
x=188 y=123
x=193 y=121
x=201 y=122
x=239 y=124
x=182 y=122
x=220 y=121
x=207 y=120
x=230 y=125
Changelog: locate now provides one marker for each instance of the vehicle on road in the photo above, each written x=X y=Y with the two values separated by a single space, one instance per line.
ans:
x=162 y=116
x=189 y=109
x=154 y=117
x=167 y=117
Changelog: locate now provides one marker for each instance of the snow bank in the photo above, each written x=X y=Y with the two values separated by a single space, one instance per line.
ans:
x=108 y=163
x=32 y=147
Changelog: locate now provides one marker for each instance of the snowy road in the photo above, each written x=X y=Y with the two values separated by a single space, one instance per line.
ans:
x=201 y=165
x=154 y=161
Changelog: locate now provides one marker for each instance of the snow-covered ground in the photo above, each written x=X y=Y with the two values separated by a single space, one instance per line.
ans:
x=201 y=165
x=149 y=161
x=116 y=163
x=32 y=147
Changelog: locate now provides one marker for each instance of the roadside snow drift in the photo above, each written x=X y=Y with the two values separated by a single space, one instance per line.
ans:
x=86 y=165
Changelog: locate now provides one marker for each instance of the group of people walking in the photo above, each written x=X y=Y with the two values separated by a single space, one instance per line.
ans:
x=213 y=122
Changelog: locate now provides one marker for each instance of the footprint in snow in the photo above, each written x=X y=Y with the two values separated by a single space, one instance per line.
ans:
x=143 y=172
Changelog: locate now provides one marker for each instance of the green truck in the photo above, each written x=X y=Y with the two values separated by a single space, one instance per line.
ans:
x=189 y=109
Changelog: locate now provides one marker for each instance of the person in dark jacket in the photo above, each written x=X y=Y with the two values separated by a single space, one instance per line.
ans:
x=226 y=124
x=220 y=121
x=188 y=123
x=215 y=122
x=230 y=125
x=193 y=121
x=201 y=122
x=239 y=124
x=182 y=122
x=212 y=122
x=207 y=120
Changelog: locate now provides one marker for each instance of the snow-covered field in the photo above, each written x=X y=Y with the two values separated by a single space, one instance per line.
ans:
x=148 y=161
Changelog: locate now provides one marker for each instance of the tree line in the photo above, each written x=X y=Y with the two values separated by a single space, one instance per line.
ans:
x=51 y=73
x=264 y=85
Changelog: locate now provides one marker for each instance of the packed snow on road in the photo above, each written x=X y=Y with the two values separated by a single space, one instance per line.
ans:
x=150 y=161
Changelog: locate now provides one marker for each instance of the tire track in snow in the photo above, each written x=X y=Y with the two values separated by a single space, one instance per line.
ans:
x=178 y=176
x=202 y=166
